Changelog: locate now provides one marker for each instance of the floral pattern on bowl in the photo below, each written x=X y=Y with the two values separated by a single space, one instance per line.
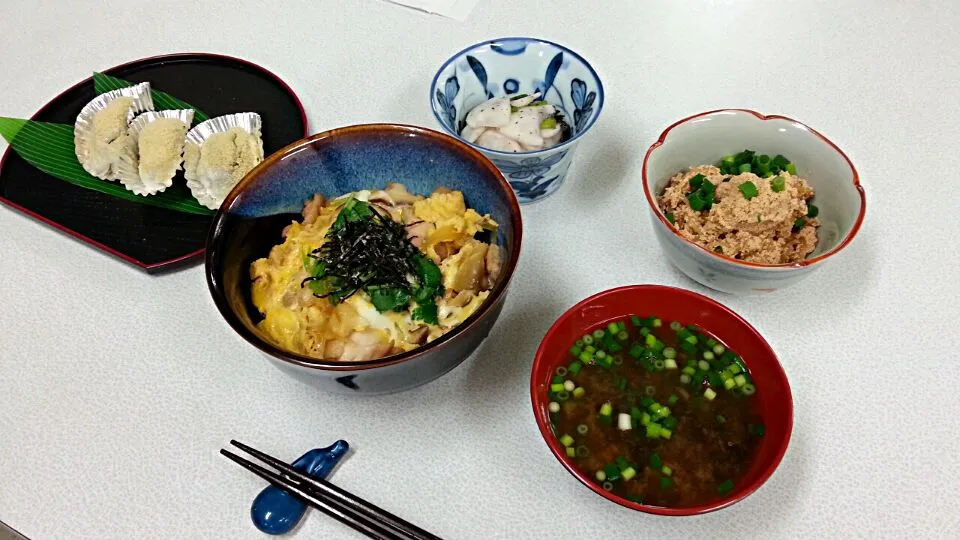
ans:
x=521 y=65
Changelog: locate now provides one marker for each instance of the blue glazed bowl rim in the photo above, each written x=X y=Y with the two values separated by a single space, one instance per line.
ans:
x=215 y=239
x=455 y=57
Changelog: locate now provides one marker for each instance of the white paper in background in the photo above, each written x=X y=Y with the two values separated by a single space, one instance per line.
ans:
x=454 y=9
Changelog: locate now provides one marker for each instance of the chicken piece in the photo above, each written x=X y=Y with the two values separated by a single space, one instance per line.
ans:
x=461 y=299
x=494 y=140
x=493 y=113
x=471 y=134
x=365 y=345
x=524 y=127
x=398 y=192
x=418 y=336
x=311 y=210
x=417 y=232
x=493 y=264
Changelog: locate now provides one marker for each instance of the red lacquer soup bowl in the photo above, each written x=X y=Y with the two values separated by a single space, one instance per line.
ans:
x=774 y=400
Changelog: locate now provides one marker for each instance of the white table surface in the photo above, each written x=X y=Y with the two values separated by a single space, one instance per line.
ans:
x=118 y=388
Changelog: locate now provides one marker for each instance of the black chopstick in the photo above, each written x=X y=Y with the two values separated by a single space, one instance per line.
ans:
x=337 y=512
x=332 y=500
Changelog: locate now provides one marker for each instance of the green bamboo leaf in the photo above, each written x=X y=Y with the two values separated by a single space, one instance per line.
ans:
x=162 y=100
x=50 y=148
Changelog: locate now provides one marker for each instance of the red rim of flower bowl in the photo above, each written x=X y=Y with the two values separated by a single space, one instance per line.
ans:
x=688 y=307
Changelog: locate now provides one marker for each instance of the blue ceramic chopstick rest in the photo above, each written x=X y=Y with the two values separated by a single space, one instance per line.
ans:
x=275 y=511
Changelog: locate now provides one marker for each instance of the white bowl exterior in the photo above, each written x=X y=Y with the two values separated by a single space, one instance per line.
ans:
x=524 y=65
x=707 y=138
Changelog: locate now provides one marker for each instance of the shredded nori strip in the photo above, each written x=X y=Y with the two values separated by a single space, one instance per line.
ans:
x=367 y=250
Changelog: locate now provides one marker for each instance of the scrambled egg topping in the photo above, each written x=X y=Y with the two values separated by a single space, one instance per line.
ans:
x=440 y=225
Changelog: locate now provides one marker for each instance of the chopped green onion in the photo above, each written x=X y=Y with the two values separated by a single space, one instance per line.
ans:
x=636 y=351
x=779 y=162
x=653 y=430
x=670 y=422
x=656 y=461
x=645 y=419
x=588 y=340
x=623 y=422
x=666 y=433
x=708 y=355
x=663 y=412
x=703 y=365
x=575 y=351
x=623 y=336
x=583 y=451
x=628 y=473
x=721 y=419
x=729 y=383
x=669 y=352
x=548 y=123
x=666 y=483
x=709 y=393
x=590 y=349
x=582 y=429
x=568 y=385
x=685 y=379
x=670 y=363
x=696 y=202
x=579 y=392
x=613 y=472
x=659 y=364
x=725 y=487
x=657 y=323
x=667 y=471
x=691 y=339
x=600 y=354
x=673 y=399
x=636 y=413
x=748 y=389
x=579 y=343
x=566 y=440
x=574 y=368
x=651 y=340
x=748 y=189
x=562 y=396
x=606 y=409
x=719 y=349
x=571 y=452
x=553 y=407
x=598 y=334
x=601 y=476
x=740 y=380
x=561 y=371
x=650 y=391
x=586 y=357
x=812 y=211
x=689 y=370
x=778 y=184
x=556 y=387
x=607 y=486
x=636 y=320
x=558 y=379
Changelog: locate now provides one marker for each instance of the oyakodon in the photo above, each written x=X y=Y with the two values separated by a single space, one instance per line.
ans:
x=374 y=273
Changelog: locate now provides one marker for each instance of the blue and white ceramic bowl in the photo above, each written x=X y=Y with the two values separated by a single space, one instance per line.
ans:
x=525 y=65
